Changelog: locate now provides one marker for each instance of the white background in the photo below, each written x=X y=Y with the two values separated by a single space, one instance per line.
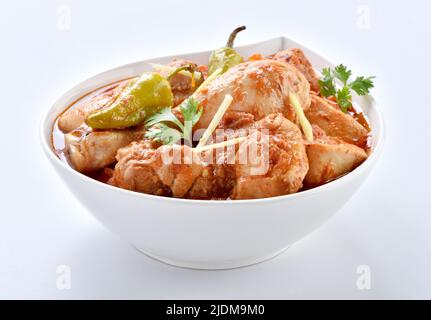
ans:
x=385 y=226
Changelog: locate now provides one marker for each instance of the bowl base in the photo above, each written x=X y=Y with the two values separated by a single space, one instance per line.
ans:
x=223 y=265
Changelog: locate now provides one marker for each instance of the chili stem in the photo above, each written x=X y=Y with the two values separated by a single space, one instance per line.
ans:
x=232 y=36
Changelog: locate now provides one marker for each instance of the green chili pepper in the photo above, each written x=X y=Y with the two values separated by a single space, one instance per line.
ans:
x=141 y=98
x=225 y=57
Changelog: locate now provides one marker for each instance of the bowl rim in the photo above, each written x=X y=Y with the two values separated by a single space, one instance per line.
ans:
x=361 y=169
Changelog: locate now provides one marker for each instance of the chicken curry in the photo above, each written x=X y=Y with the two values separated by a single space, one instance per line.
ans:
x=236 y=128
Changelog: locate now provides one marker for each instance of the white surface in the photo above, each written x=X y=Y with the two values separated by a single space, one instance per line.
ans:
x=385 y=226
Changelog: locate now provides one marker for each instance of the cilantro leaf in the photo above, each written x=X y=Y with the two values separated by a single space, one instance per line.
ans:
x=164 y=134
x=344 y=98
x=164 y=115
x=362 y=85
x=326 y=84
x=342 y=74
x=191 y=110
x=159 y=130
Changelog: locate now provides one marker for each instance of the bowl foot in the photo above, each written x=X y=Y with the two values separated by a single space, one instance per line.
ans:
x=212 y=265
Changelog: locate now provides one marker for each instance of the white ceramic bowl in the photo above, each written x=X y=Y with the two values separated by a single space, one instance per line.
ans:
x=209 y=234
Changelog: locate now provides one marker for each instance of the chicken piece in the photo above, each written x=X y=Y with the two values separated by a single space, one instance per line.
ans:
x=257 y=87
x=336 y=123
x=297 y=58
x=280 y=164
x=74 y=117
x=170 y=171
x=271 y=162
x=165 y=171
x=90 y=151
x=134 y=171
x=330 y=158
x=181 y=84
